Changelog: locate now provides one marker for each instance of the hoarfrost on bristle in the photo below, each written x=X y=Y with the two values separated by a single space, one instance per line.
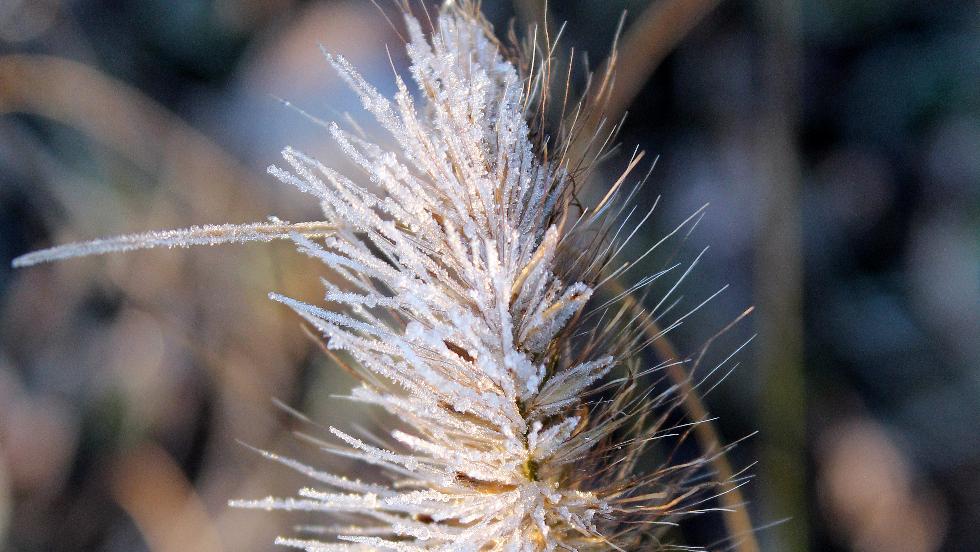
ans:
x=195 y=235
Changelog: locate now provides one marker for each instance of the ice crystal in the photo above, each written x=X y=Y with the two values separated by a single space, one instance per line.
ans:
x=464 y=274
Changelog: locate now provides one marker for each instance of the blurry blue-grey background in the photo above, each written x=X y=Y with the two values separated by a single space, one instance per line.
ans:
x=837 y=142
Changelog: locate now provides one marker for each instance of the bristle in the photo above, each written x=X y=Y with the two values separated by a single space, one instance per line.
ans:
x=195 y=235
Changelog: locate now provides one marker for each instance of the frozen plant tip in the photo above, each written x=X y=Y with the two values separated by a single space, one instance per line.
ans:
x=463 y=301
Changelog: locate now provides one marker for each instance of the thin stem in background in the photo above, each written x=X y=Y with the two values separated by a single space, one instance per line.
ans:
x=123 y=119
x=779 y=274
x=155 y=493
x=657 y=31
x=738 y=523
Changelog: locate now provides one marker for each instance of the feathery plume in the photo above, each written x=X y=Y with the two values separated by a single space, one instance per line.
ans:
x=468 y=270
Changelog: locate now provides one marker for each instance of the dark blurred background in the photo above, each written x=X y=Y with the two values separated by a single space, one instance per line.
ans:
x=837 y=142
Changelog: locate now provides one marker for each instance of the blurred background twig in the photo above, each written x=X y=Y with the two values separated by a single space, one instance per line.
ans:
x=115 y=114
x=650 y=38
x=779 y=275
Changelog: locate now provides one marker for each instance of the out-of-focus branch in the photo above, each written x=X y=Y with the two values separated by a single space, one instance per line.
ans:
x=150 y=487
x=657 y=31
x=634 y=58
x=646 y=43
x=737 y=521
x=120 y=117
x=779 y=273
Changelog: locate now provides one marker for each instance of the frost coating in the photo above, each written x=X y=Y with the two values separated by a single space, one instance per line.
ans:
x=452 y=299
